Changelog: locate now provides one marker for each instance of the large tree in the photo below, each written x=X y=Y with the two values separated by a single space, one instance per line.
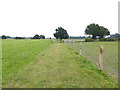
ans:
x=42 y=37
x=4 y=37
x=96 y=30
x=36 y=37
x=61 y=33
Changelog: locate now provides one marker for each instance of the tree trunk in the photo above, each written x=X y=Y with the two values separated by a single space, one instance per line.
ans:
x=61 y=41
x=94 y=36
x=101 y=36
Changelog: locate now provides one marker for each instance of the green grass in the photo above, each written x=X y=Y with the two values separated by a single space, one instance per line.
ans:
x=18 y=53
x=55 y=67
x=90 y=50
x=0 y=64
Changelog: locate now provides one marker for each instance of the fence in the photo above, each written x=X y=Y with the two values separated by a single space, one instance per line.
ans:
x=91 y=51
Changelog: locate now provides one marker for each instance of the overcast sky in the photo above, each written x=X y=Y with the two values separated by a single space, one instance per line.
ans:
x=30 y=17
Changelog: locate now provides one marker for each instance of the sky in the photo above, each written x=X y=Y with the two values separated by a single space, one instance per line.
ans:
x=30 y=17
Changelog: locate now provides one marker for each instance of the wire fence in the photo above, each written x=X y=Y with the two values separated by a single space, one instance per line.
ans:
x=91 y=51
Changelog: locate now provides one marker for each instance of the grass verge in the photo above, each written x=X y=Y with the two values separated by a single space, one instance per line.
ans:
x=60 y=67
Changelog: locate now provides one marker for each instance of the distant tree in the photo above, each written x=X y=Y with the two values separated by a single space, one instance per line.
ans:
x=8 y=36
x=19 y=37
x=116 y=35
x=77 y=37
x=36 y=37
x=61 y=33
x=96 y=30
x=4 y=37
x=42 y=37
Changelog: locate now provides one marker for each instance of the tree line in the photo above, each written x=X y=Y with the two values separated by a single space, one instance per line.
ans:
x=38 y=37
x=34 y=37
x=95 y=30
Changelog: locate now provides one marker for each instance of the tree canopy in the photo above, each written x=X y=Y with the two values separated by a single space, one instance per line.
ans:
x=38 y=37
x=96 y=30
x=61 y=33
x=19 y=37
x=42 y=37
x=4 y=37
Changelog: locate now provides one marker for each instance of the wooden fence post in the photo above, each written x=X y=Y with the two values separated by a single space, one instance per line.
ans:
x=100 y=62
x=80 y=47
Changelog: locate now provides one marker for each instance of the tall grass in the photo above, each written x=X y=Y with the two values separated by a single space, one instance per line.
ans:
x=91 y=51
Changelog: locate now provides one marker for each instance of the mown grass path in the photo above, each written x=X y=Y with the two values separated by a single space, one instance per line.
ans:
x=60 y=67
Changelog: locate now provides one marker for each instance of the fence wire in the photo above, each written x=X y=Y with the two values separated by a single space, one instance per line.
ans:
x=90 y=50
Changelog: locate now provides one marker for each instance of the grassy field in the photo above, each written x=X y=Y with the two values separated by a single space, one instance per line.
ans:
x=42 y=64
x=18 y=53
x=91 y=50
x=0 y=64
